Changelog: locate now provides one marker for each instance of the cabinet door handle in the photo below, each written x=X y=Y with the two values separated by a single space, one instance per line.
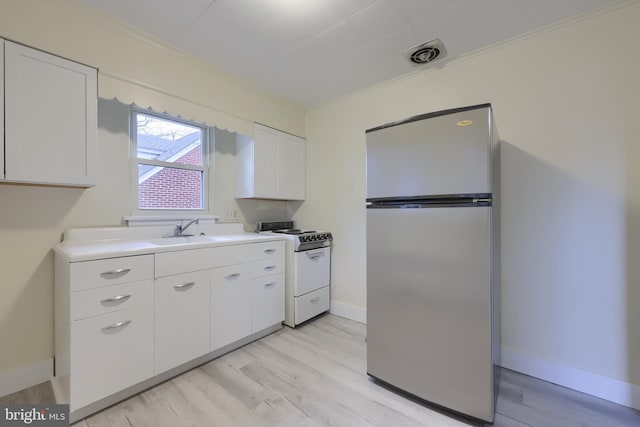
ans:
x=269 y=251
x=116 y=326
x=270 y=284
x=233 y=276
x=270 y=268
x=314 y=300
x=119 y=298
x=183 y=286
x=115 y=273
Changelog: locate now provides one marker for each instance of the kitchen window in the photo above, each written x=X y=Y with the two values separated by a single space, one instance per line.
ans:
x=170 y=162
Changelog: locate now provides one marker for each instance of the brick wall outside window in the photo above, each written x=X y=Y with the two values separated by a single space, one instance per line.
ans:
x=173 y=188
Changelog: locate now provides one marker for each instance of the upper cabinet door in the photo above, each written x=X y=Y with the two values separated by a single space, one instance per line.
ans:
x=291 y=159
x=50 y=118
x=265 y=163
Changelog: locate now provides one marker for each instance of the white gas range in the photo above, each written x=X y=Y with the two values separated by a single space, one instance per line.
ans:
x=308 y=270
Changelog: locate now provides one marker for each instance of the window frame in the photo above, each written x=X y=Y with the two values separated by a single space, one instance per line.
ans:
x=137 y=161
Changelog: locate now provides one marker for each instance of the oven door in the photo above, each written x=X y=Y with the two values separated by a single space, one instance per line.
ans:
x=312 y=270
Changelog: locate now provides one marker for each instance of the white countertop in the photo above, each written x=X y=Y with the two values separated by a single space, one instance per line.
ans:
x=108 y=242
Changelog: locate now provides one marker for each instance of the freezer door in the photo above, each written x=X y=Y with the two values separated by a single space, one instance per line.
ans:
x=429 y=305
x=431 y=156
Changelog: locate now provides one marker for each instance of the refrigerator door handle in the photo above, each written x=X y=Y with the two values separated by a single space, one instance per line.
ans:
x=418 y=203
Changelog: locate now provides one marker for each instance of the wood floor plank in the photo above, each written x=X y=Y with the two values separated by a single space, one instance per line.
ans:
x=354 y=378
x=41 y=393
x=322 y=397
x=564 y=403
x=505 y=421
x=315 y=375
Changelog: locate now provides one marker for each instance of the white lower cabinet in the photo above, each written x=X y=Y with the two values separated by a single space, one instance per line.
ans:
x=267 y=301
x=123 y=323
x=246 y=298
x=181 y=319
x=112 y=351
x=230 y=305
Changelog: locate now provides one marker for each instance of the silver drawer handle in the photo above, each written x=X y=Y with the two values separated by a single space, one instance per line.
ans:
x=233 y=276
x=184 y=285
x=116 y=299
x=314 y=300
x=270 y=284
x=315 y=255
x=116 y=325
x=113 y=273
x=269 y=251
x=270 y=267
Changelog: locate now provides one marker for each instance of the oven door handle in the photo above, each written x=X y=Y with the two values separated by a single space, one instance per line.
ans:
x=315 y=256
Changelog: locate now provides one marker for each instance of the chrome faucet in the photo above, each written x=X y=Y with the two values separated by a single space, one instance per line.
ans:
x=181 y=228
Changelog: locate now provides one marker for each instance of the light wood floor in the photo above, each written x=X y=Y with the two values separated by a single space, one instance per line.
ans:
x=315 y=375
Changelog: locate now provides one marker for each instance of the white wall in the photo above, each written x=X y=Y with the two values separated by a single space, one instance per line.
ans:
x=566 y=104
x=32 y=219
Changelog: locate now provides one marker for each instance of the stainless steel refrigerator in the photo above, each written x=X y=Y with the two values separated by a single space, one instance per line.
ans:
x=432 y=258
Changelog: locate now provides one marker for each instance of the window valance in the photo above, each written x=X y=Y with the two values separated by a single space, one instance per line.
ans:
x=146 y=97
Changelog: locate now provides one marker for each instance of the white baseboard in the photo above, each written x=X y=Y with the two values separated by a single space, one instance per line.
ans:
x=359 y=314
x=611 y=389
x=25 y=376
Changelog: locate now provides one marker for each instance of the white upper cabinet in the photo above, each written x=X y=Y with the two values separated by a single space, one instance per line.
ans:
x=271 y=166
x=50 y=118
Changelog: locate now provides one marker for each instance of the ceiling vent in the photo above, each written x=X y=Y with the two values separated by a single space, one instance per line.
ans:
x=426 y=52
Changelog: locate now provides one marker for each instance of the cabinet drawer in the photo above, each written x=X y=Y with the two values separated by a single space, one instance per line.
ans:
x=265 y=267
x=267 y=301
x=312 y=270
x=109 y=353
x=242 y=254
x=248 y=270
x=112 y=271
x=179 y=262
x=107 y=299
x=312 y=304
x=263 y=250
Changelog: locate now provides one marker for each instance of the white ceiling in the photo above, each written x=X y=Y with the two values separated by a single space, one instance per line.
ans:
x=312 y=50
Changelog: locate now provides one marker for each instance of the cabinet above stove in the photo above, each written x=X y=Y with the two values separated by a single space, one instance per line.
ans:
x=270 y=166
